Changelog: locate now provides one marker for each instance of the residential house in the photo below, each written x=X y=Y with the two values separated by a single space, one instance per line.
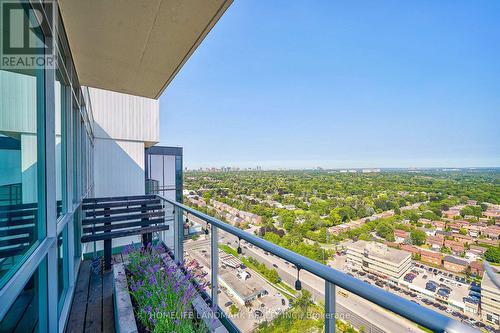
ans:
x=428 y=232
x=451 y=213
x=492 y=232
x=409 y=248
x=438 y=225
x=400 y=235
x=477 y=268
x=455 y=247
x=479 y=250
x=436 y=242
x=464 y=239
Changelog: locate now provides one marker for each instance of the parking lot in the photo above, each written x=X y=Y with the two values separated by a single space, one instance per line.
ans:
x=418 y=285
x=232 y=287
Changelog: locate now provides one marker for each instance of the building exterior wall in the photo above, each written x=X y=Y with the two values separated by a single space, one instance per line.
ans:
x=431 y=260
x=394 y=270
x=54 y=152
x=453 y=267
x=490 y=300
x=124 y=126
x=45 y=111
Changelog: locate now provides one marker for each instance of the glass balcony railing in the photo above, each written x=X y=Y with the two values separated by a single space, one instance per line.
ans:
x=219 y=250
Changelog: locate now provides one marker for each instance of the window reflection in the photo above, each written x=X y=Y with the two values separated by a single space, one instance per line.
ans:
x=22 y=100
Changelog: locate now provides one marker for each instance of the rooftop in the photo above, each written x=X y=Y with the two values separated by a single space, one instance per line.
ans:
x=380 y=251
x=455 y=260
x=487 y=282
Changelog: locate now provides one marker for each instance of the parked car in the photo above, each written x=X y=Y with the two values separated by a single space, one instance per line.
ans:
x=275 y=266
x=283 y=302
x=228 y=304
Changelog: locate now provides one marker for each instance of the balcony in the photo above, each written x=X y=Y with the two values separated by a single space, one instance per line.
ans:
x=162 y=221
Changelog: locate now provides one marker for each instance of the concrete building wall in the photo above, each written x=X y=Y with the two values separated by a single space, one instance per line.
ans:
x=124 y=126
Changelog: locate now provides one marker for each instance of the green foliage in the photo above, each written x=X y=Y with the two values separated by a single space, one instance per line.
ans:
x=417 y=237
x=471 y=210
x=492 y=254
x=270 y=274
x=385 y=230
x=228 y=249
x=233 y=310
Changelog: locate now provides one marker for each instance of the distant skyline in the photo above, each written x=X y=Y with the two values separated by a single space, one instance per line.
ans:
x=355 y=84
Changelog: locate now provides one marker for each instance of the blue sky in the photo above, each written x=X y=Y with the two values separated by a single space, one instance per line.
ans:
x=299 y=84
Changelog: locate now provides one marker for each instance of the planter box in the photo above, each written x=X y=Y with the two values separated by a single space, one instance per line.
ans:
x=124 y=310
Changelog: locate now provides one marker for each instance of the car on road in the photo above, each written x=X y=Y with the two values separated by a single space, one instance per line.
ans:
x=258 y=313
x=228 y=304
x=275 y=266
x=283 y=302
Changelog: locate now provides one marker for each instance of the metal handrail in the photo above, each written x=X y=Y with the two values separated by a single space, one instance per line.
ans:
x=394 y=303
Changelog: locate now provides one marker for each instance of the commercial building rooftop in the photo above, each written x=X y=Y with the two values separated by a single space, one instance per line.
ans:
x=487 y=282
x=380 y=251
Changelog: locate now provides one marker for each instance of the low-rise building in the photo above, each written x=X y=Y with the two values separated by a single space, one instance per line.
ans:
x=455 y=247
x=478 y=250
x=379 y=259
x=454 y=264
x=436 y=242
x=431 y=257
x=428 y=232
x=477 y=268
x=400 y=235
x=492 y=232
x=490 y=300
x=464 y=239
x=411 y=249
x=438 y=225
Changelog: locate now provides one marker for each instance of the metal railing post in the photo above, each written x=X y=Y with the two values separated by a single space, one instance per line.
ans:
x=178 y=235
x=214 y=260
x=329 y=307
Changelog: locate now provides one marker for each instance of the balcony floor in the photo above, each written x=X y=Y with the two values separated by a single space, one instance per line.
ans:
x=92 y=308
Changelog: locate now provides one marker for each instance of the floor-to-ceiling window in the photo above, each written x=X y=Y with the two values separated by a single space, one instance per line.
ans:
x=28 y=311
x=61 y=109
x=44 y=130
x=22 y=165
